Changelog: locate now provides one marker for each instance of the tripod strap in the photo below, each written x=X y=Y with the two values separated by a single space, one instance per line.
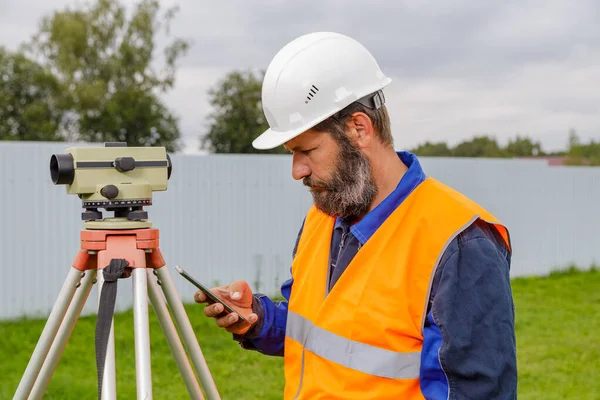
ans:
x=106 y=310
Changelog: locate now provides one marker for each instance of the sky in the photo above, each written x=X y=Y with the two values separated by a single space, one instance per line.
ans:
x=459 y=68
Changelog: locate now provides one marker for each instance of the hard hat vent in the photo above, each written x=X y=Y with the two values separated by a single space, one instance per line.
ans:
x=311 y=93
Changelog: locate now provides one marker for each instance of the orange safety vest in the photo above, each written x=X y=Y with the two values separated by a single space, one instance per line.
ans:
x=363 y=340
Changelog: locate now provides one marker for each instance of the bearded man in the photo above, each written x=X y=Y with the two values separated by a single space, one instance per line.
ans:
x=399 y=285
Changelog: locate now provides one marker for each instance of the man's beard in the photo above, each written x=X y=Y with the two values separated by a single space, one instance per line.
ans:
x=351 y=188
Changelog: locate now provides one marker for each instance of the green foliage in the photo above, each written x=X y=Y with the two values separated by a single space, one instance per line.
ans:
x=106 y=61
x=479 y=146
x=523 y=147
x=31 y=107
x=482 y=146
x=238 y=117
x=429 y=149
x=577 y=153
x=582 y=154
x=96 y=65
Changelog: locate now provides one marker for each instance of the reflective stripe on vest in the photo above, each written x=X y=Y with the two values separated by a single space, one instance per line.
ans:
x=351 y=354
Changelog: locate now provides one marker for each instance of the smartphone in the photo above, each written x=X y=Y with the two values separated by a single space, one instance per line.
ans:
x=211 y=296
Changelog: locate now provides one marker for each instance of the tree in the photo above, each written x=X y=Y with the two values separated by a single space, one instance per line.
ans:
x=105 y=60
x=30 y=100
x=582 y=154
x=479 y=146
x=523 y=147
x=238 y=117
x=429 y=149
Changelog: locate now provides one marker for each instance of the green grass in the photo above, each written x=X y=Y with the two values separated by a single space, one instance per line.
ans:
x=558 y=335
x=238 y=373
x=558 y=338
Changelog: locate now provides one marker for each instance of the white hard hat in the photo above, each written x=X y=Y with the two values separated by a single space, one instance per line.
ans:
x=313 y=77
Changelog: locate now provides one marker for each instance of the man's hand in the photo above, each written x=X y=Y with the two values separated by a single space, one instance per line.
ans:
x=238 y=295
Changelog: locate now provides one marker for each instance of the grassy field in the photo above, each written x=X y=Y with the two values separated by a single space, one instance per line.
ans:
x=558 y=335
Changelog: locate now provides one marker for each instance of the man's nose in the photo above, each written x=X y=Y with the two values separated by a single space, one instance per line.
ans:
x=299 y=168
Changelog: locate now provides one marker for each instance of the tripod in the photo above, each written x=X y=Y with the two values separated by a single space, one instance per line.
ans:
x=138 y=249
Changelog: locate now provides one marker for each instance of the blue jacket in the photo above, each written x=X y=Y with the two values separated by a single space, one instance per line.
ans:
x=469 y=349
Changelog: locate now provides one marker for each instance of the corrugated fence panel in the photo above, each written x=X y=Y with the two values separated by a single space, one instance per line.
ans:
x=229 y=217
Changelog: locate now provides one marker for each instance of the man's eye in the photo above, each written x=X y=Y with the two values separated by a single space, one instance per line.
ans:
x=307 y=152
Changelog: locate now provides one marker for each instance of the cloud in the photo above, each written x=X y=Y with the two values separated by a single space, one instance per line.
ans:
x=459 y=67
x=543 y=100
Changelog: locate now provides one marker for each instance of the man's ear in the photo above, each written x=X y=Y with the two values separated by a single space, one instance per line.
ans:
x=362 y=130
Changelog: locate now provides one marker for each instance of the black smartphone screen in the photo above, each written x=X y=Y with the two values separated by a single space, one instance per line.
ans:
x=211 y=296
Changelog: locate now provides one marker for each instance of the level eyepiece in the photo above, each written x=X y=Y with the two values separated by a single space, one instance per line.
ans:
x=62 y=169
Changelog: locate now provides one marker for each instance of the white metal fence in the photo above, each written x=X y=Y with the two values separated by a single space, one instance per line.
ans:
x=229 y=217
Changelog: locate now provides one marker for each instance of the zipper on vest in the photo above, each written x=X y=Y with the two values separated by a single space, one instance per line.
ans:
x=334 y=264
x=341 y=246
x=344 y=234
